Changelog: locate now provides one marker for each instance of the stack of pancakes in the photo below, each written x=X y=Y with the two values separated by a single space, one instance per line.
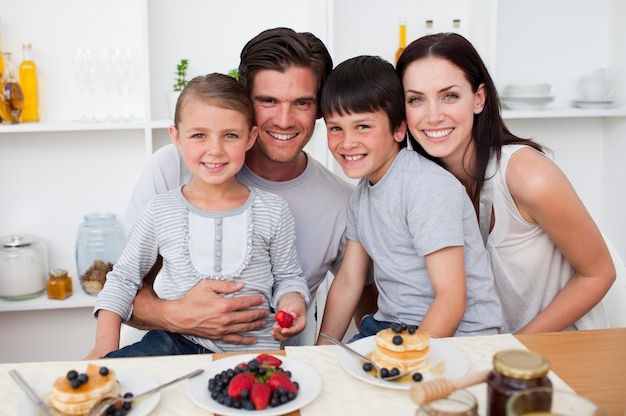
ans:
x=79 y=401
x=412 y=354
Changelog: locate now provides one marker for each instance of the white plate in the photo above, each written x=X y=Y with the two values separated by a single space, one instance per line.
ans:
x=593 y=104
x=308 y=379
x=541 y=99
x=526 y=103
x=130 y=381
x=454 y=361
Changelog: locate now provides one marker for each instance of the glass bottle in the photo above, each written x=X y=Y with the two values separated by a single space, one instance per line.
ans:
x=513 y=371
x=11 y=97
x=1 y=60
x=28 y=82
x=430 y=28
x=99 y=242
x=402 y=38
x=59 y=285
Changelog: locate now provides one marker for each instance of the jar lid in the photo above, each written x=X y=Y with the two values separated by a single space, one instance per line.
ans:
x=58 y=273
x=17 y=241
x=521 y=364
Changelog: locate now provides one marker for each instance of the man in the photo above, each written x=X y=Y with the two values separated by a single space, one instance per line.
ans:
x=283 y=72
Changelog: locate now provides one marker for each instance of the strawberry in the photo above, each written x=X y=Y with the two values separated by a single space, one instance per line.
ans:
x=260 y=395
x=284 y=319
x=281 y=379
x=240 y=382
x=269 y=360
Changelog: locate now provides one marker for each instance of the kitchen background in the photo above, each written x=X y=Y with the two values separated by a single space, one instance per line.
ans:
x=55 y=171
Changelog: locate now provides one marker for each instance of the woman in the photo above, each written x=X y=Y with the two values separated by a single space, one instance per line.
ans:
x=551 y=264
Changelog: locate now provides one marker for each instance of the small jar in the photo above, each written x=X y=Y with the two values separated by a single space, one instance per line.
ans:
x=99 y=242
x=59 y=285
x=458 y=403
x=513 y=371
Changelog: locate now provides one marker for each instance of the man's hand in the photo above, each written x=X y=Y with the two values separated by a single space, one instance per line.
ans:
x=202 y=312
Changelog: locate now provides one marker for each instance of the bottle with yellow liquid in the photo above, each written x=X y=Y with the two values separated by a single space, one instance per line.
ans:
x=402 y=38
x=1 y=64
x=28 y=82
x=11 y=98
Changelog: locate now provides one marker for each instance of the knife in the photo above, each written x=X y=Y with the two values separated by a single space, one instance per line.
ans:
x=32 y=395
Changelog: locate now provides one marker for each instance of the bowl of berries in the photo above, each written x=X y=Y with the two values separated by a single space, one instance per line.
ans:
x=255 y=384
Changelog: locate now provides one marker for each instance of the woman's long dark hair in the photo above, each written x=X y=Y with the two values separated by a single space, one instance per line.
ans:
x=489 y=132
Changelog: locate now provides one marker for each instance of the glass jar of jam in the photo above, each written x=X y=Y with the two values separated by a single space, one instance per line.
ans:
x=59 y=285
x=513 y=371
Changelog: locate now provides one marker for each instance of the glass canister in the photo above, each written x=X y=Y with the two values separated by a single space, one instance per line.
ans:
x=23 y=267
x=99 y=242
x=513 y=371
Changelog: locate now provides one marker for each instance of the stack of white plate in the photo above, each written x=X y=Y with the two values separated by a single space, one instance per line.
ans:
x=526 y=96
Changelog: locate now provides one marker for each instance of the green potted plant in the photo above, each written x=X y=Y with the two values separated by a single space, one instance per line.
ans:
x=180 y=81
x=181 y=75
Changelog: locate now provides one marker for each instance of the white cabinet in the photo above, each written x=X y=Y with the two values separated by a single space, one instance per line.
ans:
x=55 y=171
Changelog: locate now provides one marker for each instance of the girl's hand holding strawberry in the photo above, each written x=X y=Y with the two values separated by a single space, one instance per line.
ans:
x=290 y=317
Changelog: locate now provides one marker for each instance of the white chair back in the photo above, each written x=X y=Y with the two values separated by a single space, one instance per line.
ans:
x=614 y=301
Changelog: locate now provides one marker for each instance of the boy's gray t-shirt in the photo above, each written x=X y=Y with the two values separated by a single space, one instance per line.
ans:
x=416 y=209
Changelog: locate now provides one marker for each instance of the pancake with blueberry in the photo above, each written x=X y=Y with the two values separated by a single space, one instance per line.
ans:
x=76 y=393
x=403 y=347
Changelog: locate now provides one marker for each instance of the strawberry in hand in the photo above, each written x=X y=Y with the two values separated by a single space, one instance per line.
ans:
x=284 y=319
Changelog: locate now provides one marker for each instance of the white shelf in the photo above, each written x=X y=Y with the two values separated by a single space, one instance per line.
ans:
x=56 y=126
x=558 y=113
x=79 y=299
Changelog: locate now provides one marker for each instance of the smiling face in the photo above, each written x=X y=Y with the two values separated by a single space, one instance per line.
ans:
x=440 y=107
x=213 y=140
x=286 y=110
x=363 y=143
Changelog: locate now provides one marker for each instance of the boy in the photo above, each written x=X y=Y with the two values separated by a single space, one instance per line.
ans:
x=408 y=216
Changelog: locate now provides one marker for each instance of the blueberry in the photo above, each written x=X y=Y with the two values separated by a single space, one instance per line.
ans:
x=367 y=367
x=82 y=378
x=396 y=327
x=394 y=372
x=104 y=371
x=384 y=372
x=72 y=374
x=412 y=329
x=253 y=365
x=397 y=340
x=417 y=377
x=245 y=394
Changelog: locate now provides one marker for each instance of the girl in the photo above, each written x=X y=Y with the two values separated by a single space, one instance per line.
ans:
x=214 y=227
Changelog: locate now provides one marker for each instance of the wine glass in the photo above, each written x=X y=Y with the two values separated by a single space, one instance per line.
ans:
x=85 y=76
x=108 y=79
x=128 y=79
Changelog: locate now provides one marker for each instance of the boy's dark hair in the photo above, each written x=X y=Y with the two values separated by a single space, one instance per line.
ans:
x=364 y=84
x=279 y=49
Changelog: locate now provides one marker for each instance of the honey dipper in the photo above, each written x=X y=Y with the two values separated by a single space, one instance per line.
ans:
x=440 y=388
